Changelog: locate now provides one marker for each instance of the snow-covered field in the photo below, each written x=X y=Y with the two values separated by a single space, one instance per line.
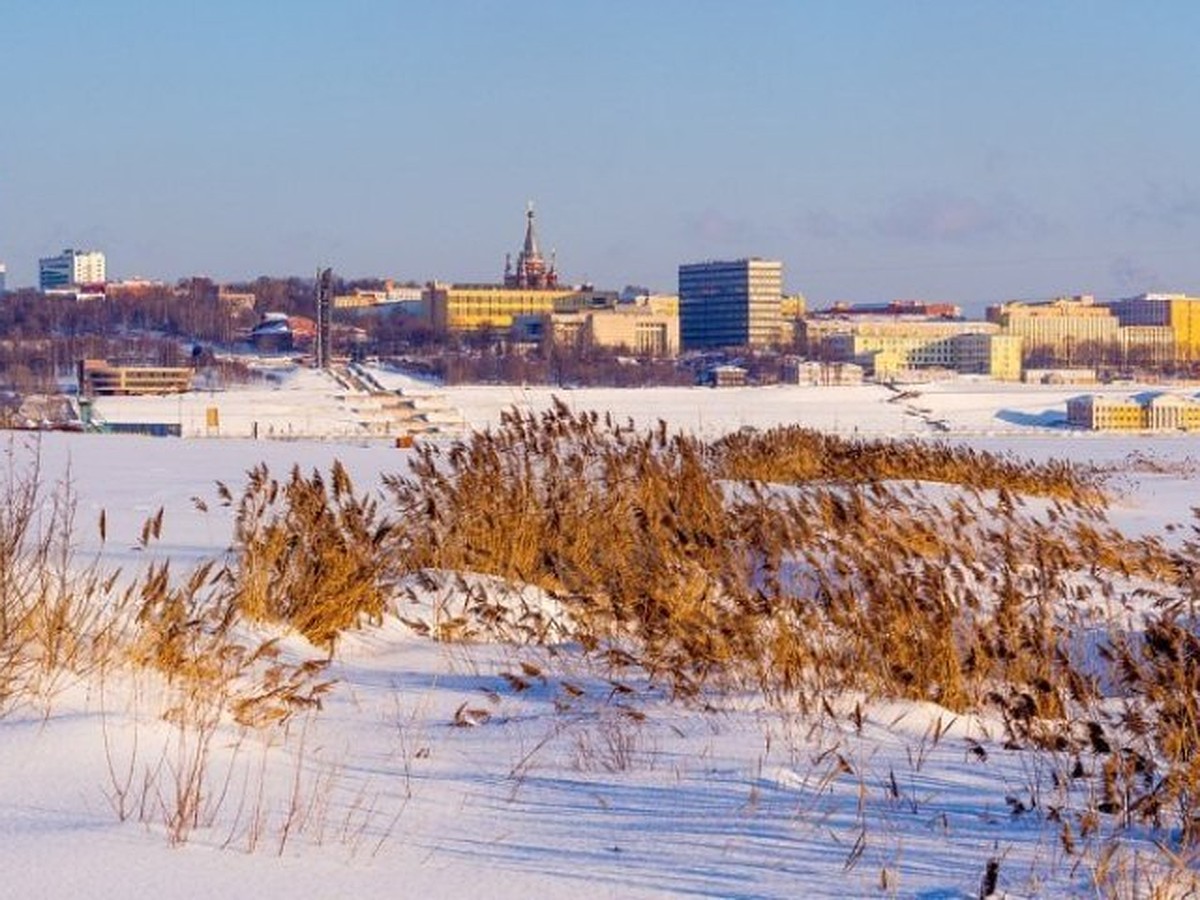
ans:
x=558 y=789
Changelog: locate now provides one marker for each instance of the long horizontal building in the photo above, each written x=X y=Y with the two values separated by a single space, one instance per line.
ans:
x=97 y=378
x=888 y=346
x=1148 y=330
x=478 y=307
x=1157 y=412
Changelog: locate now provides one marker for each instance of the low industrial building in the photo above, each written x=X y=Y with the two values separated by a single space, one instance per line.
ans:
x=1075 y=375
x=820 y=374
x=406 y=298
x=725 y=375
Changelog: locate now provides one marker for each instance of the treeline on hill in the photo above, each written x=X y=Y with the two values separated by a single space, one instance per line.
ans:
x=43 y=337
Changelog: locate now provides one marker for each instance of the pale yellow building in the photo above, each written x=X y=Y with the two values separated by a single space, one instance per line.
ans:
x=793 y=306
x=892 y=345
x=635 y=327
x=1063 y=326
x=792 y=310
x=1147 y=345
x=660 y=304
x=1161 y=412
x=641 y=330
x=820 y=374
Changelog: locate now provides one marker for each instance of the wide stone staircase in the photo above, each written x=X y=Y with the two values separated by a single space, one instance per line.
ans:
x=383 y=412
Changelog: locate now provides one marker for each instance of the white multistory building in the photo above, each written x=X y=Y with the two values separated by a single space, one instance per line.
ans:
x=71 y=268
x=3 y=277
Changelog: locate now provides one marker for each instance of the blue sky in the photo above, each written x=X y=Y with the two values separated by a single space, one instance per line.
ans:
x=961 y=151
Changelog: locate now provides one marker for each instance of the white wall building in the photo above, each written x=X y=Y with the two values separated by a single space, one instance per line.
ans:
x=71 y=267
x=3 y=277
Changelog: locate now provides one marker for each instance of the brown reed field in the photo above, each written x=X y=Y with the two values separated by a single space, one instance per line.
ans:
x=803 y=566
x=790 y=563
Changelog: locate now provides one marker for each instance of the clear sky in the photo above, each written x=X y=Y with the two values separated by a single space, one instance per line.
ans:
x=961 y=151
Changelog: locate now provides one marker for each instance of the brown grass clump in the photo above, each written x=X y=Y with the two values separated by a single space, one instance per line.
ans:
x=805 y=565
x=61 y=619
x=680 y=559
x=307 y=552
x=631 y=530
x=842 y=581
x=791 y=454
x=57 y=618
x=194 y=635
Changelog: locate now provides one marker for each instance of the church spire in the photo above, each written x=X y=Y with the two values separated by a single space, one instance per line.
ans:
x=531 y=247
x=531 y=270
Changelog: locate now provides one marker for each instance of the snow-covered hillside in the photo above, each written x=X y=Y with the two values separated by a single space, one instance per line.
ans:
x=494 y=769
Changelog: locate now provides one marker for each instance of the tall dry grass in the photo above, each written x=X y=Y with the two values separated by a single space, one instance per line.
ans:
x=804 y=565
x=660 y=540
x=307 y=551
x=58 y=619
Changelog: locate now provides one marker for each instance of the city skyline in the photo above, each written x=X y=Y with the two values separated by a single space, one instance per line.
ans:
x=967 y=153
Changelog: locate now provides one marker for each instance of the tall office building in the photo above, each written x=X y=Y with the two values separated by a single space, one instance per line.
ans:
x=730 y=304
x=3 y=276
x=69 y=268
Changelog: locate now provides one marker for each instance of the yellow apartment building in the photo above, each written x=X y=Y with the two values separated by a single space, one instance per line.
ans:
x=1062 y=326
x=634 y=327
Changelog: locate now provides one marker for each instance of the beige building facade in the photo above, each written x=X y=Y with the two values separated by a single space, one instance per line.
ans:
x=889 y=346
x=1062 y=326
x=636 y=328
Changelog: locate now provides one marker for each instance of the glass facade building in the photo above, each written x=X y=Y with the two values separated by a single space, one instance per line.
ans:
x=730 y=304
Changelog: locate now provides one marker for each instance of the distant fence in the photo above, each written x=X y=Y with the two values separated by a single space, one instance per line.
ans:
x=152 y=429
